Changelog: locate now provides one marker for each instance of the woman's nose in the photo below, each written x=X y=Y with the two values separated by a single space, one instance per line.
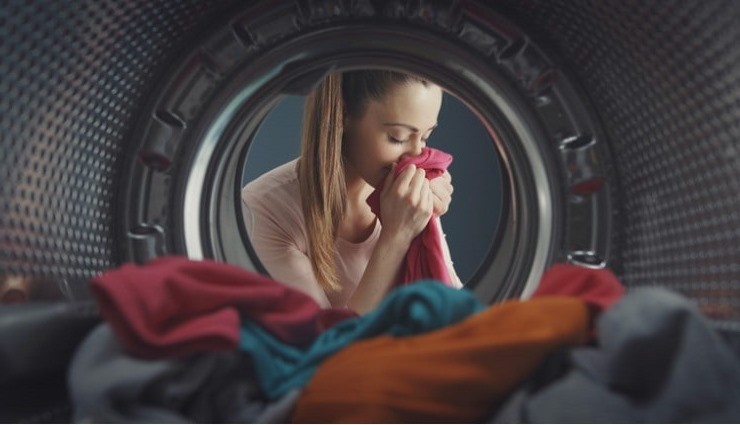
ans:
x=417 y=144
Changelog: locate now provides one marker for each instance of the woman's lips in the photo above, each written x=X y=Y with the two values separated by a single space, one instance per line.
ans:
x=383 y=175
x=387 y=169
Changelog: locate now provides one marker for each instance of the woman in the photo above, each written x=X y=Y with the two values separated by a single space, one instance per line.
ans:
x=308 y=220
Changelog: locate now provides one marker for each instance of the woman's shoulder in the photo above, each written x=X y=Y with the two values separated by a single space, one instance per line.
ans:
x=276 y=192
x=279 y=178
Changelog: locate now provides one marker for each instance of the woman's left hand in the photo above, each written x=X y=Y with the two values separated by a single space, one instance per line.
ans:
x=442 y=193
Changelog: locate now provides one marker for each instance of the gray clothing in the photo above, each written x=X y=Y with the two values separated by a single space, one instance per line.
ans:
x=108 y=386
x=658 y=360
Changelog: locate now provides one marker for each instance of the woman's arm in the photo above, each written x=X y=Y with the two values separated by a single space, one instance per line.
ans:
x=406 y=204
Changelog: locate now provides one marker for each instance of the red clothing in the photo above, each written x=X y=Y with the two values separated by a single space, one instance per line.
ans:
x=424 y=259
x=599 y=288
x=452 y=375
x=176 y=306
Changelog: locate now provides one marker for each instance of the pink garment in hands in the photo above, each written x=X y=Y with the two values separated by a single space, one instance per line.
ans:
x=425 y=258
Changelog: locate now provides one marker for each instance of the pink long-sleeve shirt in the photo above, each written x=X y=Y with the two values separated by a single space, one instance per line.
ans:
x=273 y=214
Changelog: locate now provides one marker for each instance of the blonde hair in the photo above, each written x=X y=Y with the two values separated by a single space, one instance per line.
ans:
x=321 y=165
x=321 y=176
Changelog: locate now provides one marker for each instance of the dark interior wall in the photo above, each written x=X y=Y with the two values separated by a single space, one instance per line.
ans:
x=471 y=222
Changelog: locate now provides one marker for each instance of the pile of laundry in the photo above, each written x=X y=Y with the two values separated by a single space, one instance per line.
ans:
x=201 y=341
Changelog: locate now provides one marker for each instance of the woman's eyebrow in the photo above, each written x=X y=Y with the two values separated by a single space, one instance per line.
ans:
x=410 y=127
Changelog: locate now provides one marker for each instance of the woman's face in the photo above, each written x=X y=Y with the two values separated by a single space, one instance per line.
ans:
x=398 y=124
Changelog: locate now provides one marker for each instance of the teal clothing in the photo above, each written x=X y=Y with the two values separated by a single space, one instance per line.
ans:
x=409 y=310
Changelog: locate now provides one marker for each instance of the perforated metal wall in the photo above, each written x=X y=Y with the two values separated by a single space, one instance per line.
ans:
x=72 y=75
x=665 y=78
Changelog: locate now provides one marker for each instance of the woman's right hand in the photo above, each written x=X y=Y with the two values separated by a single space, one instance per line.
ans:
x=406 y=203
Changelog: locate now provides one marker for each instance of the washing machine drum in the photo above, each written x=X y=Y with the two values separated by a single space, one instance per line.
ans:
x=124 y=124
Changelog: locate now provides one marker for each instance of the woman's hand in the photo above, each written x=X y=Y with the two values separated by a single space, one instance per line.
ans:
x=442 y=190
x=406 y=203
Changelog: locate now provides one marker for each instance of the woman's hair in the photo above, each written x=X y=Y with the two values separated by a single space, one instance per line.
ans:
x=321 y=166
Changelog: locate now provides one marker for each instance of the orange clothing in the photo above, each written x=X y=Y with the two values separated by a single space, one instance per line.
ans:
x=455 y=374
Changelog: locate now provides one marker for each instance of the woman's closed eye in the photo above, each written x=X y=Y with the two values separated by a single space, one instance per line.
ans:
x=395 y=140
x=399 y=141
